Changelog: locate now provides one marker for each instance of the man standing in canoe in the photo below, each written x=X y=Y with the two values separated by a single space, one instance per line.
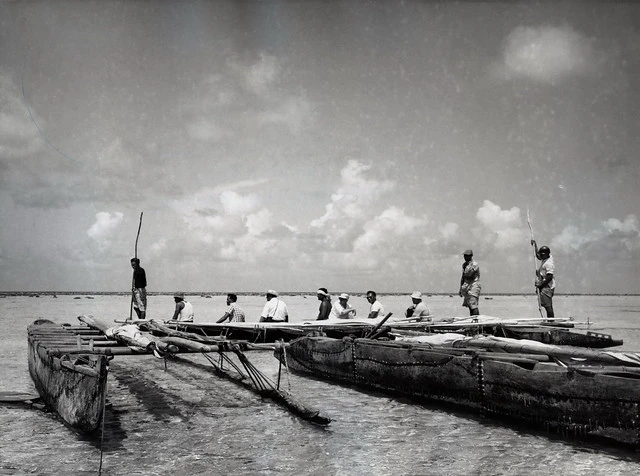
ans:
x=275 y=310
x=470 y=283
x=139 y=289
x=376 y=309
x=545 y=280
x=325 y=304
x=184 y=309
x=233 y=312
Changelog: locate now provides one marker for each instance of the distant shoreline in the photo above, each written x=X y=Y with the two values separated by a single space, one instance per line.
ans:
x=259 y=293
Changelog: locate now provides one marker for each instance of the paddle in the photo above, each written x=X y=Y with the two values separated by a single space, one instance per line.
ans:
x=535 y=267
x=133 y=282
x=374 y=330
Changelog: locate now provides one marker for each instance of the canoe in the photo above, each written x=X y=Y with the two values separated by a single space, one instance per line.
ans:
x=558 y=332
x=556 y=336
x=269 y=332
x=69 y=365
x=73 y=385
x=564 y=392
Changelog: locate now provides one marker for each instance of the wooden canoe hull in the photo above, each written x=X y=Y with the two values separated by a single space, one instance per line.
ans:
x=547 y=334
x=73 y=386
x=269 y=332
x=600 y=401
x=556 y=336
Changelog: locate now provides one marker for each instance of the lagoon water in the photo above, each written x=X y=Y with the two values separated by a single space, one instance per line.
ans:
x=183 y=420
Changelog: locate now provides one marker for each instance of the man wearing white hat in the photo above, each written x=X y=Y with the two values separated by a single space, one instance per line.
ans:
x=342 y=309
x=275 y=310
x=418 y=308
x=184 y=309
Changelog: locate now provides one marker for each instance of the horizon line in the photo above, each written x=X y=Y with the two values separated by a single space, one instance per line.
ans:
x=224 y=293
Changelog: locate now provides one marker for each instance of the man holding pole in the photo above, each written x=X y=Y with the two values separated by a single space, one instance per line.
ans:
x=545 y=280
x=139 y=289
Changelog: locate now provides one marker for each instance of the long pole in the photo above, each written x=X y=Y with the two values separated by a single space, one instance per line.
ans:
x=535 y=267
x=135 y=255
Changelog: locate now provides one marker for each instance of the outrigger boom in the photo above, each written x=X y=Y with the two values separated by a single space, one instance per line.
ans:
x=69 y=364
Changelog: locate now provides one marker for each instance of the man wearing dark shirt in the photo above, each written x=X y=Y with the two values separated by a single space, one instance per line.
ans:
x=139 y=289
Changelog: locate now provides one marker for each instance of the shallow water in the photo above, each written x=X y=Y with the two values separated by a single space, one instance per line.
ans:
x=185 y=420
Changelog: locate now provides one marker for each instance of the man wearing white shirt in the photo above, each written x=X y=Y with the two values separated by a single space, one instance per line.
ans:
x=418 y=308
x=342 y=309
x=275 y=310
x=376 y=309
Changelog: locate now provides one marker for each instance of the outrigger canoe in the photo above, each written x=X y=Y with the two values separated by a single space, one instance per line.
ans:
x=69 y=365
x=71 y=381
x=573 y=391
x=269 y=332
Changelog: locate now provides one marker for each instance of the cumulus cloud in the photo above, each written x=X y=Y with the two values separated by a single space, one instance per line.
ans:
x=360 y=230
x=234 y=203
x=571 y=239
x=258 y=223
x=613 y=234
x=352 y=203
x=546 y=53
x=205 y=215
x=104 y=225
x=232 y=224
x=501 y=228
x=384 y=238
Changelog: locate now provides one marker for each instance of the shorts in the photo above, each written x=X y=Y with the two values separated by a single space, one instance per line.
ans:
x=140 y=299
x=470 y=301
x=546 y=296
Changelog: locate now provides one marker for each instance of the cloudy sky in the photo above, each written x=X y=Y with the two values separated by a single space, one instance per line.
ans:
x=353 y=145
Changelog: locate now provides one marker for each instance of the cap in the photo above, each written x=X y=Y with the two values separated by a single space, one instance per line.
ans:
x=416 y=295
x=544 y=249
x=272 y=292
x=321 y=292
x=344 y=296
x=468 y=253
x=178 y=295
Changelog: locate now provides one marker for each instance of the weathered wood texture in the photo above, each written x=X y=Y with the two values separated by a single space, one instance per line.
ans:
x=73 y=386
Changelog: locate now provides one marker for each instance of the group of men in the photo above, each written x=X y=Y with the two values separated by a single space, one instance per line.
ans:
x=275 y=310
x=343 y=310
x=545 y=280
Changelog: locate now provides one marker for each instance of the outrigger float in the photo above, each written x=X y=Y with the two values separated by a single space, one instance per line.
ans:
x=581 y=392
x=554 y=331
x=69 y=365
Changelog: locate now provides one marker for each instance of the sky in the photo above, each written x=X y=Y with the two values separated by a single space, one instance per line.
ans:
x=291 y=145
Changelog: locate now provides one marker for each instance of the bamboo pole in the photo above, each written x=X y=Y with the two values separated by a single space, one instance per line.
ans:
x=135 y=255
x=535 y=266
